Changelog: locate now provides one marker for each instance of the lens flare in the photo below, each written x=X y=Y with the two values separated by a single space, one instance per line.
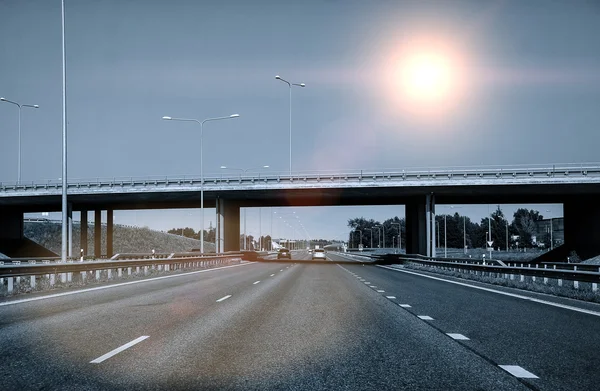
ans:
x=425 y=77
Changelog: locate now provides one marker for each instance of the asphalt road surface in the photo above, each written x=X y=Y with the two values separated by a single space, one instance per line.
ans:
x=294 y=326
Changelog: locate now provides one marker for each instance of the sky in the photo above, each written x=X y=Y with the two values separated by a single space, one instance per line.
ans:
x=390 y=84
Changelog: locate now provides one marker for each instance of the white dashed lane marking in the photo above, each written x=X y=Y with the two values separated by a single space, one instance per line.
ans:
x=223 y=298
x=518 y=371
x=380 y=291
x=255 y=282
x=405 y=305
x=424 y=317
x=272 y=275
x=457 y=336
x=391 y=297
x=118 y=350
x=373 y=286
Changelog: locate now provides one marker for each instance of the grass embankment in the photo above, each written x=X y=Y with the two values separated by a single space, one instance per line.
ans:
x=125 y=239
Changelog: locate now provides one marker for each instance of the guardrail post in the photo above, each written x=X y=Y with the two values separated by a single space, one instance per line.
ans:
x=145 y=270
x=137 y=269
x=10 y=285
x=97 y=275
x=63 y=277
x=52 y=279
x=576 y=284
x=32 y=282
x=109 y=273
x=83 y=276
x=522 y=278
x=69 y=277
x=594 y=287
x=119 y=272
x=18 y=280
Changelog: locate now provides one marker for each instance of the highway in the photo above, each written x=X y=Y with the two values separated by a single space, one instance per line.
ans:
x=294 y=326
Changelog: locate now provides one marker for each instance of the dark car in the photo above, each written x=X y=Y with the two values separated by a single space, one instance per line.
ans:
x=284 y=253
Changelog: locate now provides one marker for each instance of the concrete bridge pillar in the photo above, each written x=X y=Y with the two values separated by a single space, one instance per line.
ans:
x=228 y=226
x=97 y=233
x=11 y=224
x=420 y=226
x=109 y=233
x=83 y=234
x=582 y=225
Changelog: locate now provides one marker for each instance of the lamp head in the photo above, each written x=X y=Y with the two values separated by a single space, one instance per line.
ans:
x=276 y=77
x=234 y=115
x=166 y=118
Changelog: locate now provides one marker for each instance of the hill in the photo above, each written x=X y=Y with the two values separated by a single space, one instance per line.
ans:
x=127 y=239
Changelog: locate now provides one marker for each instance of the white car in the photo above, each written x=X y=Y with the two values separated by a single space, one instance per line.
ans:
x=319 y=253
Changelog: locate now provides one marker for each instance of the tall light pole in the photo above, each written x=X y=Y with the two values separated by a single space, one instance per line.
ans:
x=551 y=232
x=20 y=106
x=290 y=86
x=360 y=237
x=383 y=229
x=201 y=165
x=371 y=229
x=245 y=171
x=64 y=233
x=399 y=233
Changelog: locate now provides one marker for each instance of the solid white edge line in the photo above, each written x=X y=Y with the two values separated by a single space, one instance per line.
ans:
x=98 y=288
x=518 y=371
x=456 y=336
x=255 y=282
x=118 y=350
x=223 y=298
x=564 y=306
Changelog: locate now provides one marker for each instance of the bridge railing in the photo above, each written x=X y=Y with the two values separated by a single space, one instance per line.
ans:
x=412 y=173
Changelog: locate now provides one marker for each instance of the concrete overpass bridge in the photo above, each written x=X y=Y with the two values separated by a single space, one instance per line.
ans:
x=576 y=186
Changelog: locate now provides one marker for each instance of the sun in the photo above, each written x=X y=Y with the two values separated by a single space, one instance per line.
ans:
x=426 y=76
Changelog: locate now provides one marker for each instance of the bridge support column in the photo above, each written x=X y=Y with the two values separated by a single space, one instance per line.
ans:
x=420 y=226
x=70 y=229
x=228 y=226
x=582 y=226
x=97 y=233
x=83 y=234
x=11 y=224
x=109 y=233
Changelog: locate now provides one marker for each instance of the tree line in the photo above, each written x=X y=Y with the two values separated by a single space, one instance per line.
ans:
x=459 y=229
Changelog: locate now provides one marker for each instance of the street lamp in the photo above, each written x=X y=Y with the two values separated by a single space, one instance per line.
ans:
x=20 y=106
x=551 y=232
x=383 y=229
x=371 y=229
x=290 y=85
x=399 y=233
x=201 y=164
x=245 y=170
x=360 y=237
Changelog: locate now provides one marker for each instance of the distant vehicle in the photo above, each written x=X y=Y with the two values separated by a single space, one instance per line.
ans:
x=319 y=253
x=284 y=253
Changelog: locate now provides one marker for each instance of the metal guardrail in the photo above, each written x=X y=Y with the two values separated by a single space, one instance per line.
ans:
x=560 y=274
x=512 y=172
x=35 y=269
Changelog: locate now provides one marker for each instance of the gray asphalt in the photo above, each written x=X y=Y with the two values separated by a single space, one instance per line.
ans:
x=308 y=326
